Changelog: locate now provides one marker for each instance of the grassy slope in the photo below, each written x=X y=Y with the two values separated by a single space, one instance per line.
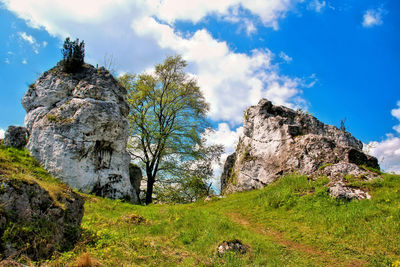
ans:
x=291 y=222
x=17 y=164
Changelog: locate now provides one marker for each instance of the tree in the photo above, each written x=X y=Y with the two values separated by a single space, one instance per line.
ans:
x=192 y=180
x=73 y=55
x=168 y=115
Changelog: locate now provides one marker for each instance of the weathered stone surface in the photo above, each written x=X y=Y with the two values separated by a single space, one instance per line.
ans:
x=235 y=246
x=16 y=136
x=135 y=176
x=337 y=171
x=340 y=190
x=277 y=140
x=33 y=223
x=78 y=130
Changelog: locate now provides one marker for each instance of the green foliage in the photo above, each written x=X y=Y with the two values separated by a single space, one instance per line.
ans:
x=324 y=166
x=73 y=55
x=168 y=116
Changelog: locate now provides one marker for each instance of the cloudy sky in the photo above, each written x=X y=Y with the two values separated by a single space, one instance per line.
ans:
x=335 y=59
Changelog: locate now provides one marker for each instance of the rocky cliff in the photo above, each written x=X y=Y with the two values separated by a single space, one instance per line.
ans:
x=78 y=129
x=278 y=140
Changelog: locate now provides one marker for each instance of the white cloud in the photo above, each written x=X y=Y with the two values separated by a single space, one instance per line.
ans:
x=230 y=81
x=44 y=43
x=269 y=12
x=317 y=5
x=388 y=150
x=7 y=61
x=29 y=38
x=2 y=132
x=396 y=111
x=373 y=17
x=285 y=57
x=24 y=62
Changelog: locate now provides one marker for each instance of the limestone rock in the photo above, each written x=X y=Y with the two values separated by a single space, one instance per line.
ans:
x=340 y=190
x=78 y=130
x=135 y=176
x=33 y=223
x=235 y=246
x=16 y=136
x=277 y=140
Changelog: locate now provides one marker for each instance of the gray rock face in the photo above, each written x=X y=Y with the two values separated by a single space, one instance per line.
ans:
x=78 y=130
x=278 y=140
x=16 y=136
x=135 y=176
x=33 y=224
x=235 y=246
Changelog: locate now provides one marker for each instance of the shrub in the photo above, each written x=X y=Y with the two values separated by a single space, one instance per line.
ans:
x=73 y=55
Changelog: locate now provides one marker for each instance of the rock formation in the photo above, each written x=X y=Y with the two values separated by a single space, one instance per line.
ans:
x=33 y=223
x=78 y=129
x=16 y=136
x=277 y=140
x=135 y=176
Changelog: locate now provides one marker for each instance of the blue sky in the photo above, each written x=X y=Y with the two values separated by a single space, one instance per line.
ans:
x=335 y=59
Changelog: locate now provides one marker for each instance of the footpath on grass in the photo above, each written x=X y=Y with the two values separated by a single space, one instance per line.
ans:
x=318 y=256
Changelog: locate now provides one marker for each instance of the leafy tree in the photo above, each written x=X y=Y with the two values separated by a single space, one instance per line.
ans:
x=168 y=115
x=73 y=55
x=192 y=179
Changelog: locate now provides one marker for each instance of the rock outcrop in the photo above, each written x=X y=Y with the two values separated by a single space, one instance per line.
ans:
x=277 y=140
x=16 y=136
x=33 y=223
x=78 y=129
x=135 y=176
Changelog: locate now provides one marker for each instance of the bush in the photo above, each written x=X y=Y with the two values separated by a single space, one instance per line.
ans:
x=73 y=55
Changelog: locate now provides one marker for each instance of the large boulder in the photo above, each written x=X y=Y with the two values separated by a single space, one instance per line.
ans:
x=135 y=176
x=277 y=140
x=78 y=129
x=16 y=136
x=35 y=224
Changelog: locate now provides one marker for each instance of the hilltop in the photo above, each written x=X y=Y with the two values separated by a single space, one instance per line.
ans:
x=293 y=221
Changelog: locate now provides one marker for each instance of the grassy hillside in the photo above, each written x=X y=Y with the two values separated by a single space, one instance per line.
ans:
x=291 y=222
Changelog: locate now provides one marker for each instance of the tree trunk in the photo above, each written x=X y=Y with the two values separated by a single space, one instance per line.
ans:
x=149 y=192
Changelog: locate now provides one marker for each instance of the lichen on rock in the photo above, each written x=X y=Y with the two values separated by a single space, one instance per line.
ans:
x=78 y=129
x=32 y=223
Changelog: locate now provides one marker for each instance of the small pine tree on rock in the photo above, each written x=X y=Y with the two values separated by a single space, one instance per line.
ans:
x=73 y=55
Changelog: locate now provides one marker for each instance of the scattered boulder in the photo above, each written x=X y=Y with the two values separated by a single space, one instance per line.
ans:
x=235 y=246
x=78 y=130
x=340 y=190
x=35 y=224
x=16 y=136
x=339 y=170
x=277 y=140
x=135 y=176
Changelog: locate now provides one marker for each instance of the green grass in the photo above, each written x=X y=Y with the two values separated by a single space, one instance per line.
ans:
x=292 y=222
x=18 y=165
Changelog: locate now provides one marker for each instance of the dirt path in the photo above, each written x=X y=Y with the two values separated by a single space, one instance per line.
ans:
x=321 y=257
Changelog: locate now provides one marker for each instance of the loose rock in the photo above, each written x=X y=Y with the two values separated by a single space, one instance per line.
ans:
x=235 y=246
x=16 y=136
x=32 y=223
